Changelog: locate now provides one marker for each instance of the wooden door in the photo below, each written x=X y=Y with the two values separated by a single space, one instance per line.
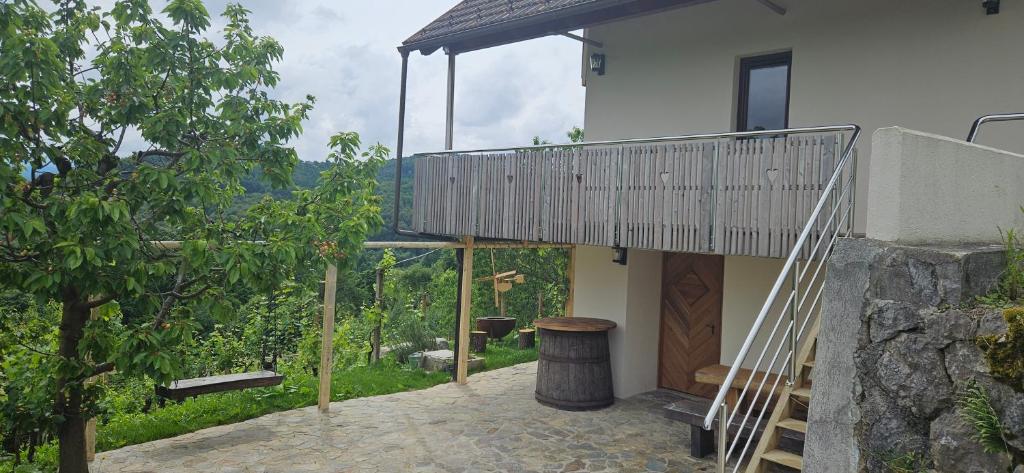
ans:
x=691 y=320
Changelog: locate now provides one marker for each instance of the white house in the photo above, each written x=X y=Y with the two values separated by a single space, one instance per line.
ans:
x=731 y=143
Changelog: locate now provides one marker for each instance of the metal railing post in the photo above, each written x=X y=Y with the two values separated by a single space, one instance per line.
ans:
x=794 y=312
x=853 y=196
x=723 y=436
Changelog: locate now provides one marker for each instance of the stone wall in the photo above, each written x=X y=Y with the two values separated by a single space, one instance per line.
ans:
x=895 y=350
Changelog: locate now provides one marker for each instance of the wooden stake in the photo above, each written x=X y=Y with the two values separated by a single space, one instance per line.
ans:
x=571 y=272
x=375 y=335
x=467 y=304
x=327 y=345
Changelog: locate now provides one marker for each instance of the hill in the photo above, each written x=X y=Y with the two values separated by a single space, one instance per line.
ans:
x=306 y=175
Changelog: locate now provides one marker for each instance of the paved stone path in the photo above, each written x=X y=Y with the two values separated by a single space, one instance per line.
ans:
x=492 y=424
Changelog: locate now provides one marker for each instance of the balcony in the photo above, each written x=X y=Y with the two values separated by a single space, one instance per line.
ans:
x=747 y=193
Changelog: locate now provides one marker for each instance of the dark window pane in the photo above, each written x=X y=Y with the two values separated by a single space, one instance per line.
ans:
x=766 y=99
x=764 y=92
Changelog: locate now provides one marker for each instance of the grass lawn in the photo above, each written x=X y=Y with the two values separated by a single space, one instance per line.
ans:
x=121 y=429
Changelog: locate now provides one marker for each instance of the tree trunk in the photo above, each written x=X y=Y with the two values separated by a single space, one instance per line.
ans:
x=68 y=402
x=478 y=341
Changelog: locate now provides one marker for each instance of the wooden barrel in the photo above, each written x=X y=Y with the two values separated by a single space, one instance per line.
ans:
x=574 y=367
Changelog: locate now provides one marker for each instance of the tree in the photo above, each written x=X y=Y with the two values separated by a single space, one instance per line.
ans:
x=80 y=210
x=575 y=135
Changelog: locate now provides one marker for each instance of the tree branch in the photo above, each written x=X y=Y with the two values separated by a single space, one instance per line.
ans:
x=168 y=303
x=102 y=368
x=94 y=303
x=157 y=152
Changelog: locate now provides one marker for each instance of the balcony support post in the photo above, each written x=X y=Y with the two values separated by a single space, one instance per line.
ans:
x=465 y=303
x=449 y=122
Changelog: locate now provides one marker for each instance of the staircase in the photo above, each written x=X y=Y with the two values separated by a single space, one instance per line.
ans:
x=788 y=323
x=795 y=397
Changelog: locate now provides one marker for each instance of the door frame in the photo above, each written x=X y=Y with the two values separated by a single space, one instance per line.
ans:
x=661 y=314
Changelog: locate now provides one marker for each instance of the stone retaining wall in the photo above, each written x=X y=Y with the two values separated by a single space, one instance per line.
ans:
x=896 y=348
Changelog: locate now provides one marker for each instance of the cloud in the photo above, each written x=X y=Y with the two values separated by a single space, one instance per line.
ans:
x=344 y=54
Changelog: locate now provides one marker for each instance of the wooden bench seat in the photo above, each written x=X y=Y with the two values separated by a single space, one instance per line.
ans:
x=691 y=410
x=716 y=374
x=184 y=388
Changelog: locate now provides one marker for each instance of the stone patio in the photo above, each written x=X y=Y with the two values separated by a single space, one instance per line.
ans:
x=491 y=424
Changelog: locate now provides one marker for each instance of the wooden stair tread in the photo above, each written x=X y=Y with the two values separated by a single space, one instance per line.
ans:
x=716 y=374
x=804 y=393
x=793 y=424
x=785 y=458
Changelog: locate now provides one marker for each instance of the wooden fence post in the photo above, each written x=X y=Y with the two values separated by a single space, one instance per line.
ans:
x=327 y=344
x=571 y=273
x=466 y=306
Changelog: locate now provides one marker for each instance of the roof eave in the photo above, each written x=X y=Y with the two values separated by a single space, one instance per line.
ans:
x=540 y=25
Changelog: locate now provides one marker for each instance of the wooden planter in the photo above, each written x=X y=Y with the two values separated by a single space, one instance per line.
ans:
x=574 y=368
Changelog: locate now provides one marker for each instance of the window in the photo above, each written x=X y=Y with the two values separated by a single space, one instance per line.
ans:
x=764 y=92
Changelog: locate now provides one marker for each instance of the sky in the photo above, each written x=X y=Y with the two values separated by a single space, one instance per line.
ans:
x=344 y=53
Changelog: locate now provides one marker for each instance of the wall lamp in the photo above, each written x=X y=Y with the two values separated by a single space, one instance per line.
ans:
x=597 y=63
x=620 y=255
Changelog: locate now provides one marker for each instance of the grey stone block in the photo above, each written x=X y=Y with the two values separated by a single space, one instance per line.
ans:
x=896 y=348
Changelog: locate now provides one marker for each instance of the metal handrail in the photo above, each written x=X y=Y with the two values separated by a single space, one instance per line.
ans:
x=659 y=139
x=995 y=117
x=787 y=267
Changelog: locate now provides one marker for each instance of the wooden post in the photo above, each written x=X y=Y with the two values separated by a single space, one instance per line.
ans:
x=466 y=304
x=375 y=336
x=540 y=304
x=571 y=272
x=327 y=344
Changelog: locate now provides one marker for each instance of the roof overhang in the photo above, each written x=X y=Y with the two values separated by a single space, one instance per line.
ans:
x=542 y=24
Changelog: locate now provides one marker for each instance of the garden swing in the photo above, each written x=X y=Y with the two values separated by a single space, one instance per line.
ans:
x=180 y=389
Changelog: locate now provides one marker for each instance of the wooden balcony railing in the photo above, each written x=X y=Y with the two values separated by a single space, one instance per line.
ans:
x=731 y=193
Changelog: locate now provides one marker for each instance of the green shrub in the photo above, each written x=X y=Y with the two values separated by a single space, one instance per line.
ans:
x=1013 y=278
x=1011 y=283
x=907 y=462
x=976 y=408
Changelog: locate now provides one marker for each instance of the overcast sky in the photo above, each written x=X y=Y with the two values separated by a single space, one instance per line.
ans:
x=344 y=54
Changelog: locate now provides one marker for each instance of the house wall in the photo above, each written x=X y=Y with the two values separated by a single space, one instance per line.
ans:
x=631 y=296
x=748 y=280
x=930 y=65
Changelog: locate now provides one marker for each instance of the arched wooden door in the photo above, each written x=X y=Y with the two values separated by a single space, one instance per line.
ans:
x=691 y=320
